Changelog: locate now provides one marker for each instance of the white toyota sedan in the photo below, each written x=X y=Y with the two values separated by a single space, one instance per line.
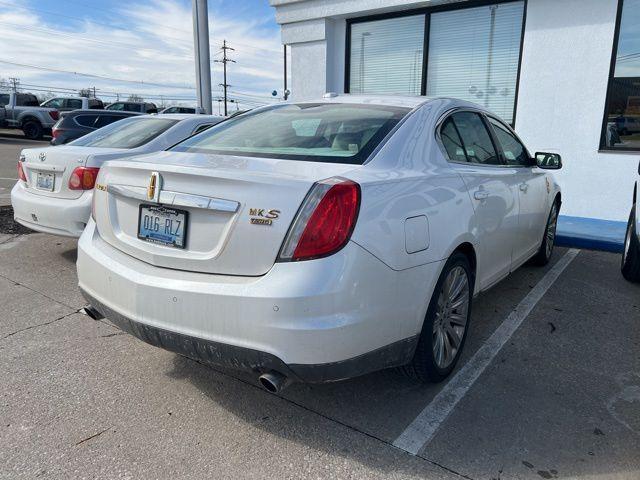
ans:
x=55 y=184
x=322 y=240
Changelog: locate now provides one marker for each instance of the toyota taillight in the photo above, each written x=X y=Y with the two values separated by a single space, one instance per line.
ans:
x=21 y=174
x=324 y=222
x=83 y=178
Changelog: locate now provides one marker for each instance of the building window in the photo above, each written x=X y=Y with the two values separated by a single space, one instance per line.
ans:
x=622 y=113
x=471 y=53
x=386 y=56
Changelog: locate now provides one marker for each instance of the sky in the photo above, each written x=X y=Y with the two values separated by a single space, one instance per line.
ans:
x=138 y=46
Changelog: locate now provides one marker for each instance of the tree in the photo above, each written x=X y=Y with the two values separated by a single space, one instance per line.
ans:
x=135 y=98
x=85 y=92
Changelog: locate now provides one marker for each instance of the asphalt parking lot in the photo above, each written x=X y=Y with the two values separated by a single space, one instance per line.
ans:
x=549 y=387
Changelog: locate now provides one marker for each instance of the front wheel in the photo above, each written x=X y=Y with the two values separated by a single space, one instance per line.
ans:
x=631 y=254
x=548 y=241
x=445 y=326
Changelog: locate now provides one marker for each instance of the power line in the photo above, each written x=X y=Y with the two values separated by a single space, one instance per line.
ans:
x=224 y=62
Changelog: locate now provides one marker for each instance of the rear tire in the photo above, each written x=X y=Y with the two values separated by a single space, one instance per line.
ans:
x=446 y=323
x=32 y=130
x=630 y=265
x=548 y=240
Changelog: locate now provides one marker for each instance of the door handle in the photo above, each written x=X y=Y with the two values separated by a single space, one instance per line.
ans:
x=480 y=194
x=524 y=187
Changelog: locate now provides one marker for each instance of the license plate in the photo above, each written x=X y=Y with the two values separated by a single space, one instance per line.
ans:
x=163 y=225
x=45 y=181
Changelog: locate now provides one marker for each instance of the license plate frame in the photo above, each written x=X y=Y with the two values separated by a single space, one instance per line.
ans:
x=45 y=181
x=163 y=211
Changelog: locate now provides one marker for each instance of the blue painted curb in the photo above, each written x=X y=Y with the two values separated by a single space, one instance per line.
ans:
x=590 y=233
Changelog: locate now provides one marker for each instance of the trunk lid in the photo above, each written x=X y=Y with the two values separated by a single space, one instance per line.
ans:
x=239 y=208
x=55 y=164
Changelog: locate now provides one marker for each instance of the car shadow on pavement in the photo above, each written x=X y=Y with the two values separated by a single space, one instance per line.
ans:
x=294 y=421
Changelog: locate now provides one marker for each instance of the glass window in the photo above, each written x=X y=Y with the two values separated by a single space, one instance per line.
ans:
x=514 y=152
x=54 y=103
x=475 y=139
x=116 y=106
x=202 y=128
x=129 y=133
x=386 y=56
x=74 y=103
x=104 y=120
x=4 y=99
x=86 y=120
x=474 y=55
x=622 y=114
x=345 y=133
x=452 y=142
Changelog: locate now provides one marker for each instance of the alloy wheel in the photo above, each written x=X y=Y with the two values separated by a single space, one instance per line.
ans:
x=451 y=317
x=551 y=231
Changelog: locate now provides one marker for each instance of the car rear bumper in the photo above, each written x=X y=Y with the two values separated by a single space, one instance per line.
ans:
x=316 y=321
x=58 y=216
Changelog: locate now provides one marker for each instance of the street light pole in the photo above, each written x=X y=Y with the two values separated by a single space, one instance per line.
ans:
x=201 y=49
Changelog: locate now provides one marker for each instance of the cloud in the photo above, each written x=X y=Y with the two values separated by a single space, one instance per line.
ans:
x=152 y=43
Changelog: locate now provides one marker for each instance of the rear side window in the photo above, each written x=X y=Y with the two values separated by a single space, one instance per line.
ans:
x=514 y=152
x=4 y=99
x=74 y=103
x=133 y=107
x=452 y=142
x=86 y=120
x=129 y=133
x=475 y=137
x=26 y=100
x=104 y=120
x=314 y=132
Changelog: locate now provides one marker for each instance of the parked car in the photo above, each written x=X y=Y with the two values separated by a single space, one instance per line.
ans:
x=67 y=104
x=179 y=110
x=73 y=125
x=140 y=107
x=55 y=186
x=319 y=241
x=631 y=252
x=22 y=111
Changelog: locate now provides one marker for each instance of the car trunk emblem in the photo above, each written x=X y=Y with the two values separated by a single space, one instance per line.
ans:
x=42 y=156
x=155 y=185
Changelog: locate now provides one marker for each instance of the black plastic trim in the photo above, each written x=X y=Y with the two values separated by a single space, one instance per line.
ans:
x=246 y=359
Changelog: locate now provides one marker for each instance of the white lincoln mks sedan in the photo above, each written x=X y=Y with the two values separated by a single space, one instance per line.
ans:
x=322 y=240
x=55 y=184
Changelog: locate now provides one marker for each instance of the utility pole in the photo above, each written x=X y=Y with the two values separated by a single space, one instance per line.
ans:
x=224 y=62
x=94 y=92
x=14 y=84
x=203 y=61
x=286 y=92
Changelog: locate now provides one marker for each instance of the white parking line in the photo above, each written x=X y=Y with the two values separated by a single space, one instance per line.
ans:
x=423 y=428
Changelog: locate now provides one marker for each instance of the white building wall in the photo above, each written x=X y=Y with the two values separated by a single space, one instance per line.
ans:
x=563 y=86
x=563 y=82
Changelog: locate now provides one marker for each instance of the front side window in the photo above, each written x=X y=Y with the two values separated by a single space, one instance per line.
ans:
x=472 y=54
x=329 y=132
x=128 y=133
x=116 y=106
x=54 y=103
x=622 y=114
x=475 y=137
x=514 y=152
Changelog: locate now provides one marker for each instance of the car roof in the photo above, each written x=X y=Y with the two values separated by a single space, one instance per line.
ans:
x=408 y=101
x=99 y=111
x=188 y=116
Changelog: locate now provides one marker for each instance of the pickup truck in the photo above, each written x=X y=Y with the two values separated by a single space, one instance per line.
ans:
x=67 y=104
x=22 y=111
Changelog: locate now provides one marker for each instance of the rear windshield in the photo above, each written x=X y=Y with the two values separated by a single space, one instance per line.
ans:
x=126 y=133
x=327 y=132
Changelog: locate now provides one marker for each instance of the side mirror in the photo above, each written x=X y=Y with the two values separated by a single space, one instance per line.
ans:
x=548 y=161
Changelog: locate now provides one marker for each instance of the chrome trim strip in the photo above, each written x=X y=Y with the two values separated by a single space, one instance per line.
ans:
x=177 y=199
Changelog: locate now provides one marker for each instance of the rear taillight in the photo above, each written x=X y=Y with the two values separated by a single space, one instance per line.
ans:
x=55 y=114
x=55 y=133
x=324 y=222
x=83 y=178
x=21 y=174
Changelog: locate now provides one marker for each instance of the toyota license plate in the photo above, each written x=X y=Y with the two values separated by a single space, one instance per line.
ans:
x=163 y=225
x=44 y=181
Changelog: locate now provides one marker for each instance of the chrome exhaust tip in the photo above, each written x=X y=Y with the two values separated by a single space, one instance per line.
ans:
x=273 y=381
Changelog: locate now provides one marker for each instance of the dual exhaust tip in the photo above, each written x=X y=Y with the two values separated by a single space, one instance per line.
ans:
x=273 y=381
